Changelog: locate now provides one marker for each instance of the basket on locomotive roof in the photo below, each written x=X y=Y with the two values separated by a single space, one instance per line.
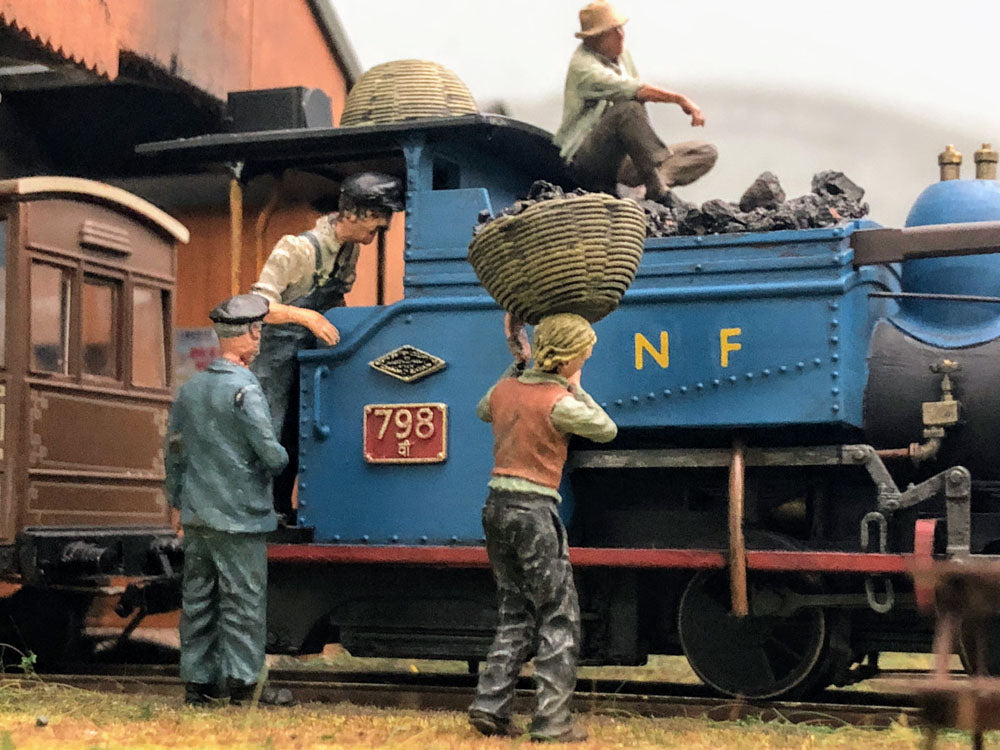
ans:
x=575 y=254
x=406 y=90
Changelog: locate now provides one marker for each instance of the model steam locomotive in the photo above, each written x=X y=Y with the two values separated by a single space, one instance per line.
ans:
x=801 y=413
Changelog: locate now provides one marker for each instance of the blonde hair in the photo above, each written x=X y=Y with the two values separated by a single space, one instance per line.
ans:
x=561 y=338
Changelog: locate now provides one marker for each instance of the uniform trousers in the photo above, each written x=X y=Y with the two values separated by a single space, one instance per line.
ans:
x=538 y=609
x=223 y=621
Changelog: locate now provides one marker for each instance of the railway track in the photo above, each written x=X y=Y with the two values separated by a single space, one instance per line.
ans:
x=454 y=692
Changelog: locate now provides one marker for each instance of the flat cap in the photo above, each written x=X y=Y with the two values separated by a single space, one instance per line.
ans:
x=243 y=308
x=374 y=189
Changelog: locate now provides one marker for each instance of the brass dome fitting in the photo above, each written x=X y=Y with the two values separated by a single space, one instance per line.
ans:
x=950 y=161
x=986 y=163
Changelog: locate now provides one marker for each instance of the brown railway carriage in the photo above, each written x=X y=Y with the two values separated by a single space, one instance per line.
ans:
x=87 y=281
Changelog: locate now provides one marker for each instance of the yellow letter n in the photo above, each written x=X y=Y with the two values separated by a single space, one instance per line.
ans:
x=661 y=355
x=726 y=346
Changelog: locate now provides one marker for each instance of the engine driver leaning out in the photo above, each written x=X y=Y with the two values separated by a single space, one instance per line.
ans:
x=306 y=275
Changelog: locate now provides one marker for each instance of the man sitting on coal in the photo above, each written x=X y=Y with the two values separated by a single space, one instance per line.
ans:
x=605 y=136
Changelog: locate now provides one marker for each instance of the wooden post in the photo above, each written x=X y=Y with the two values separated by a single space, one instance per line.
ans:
x=235 y=225
x=235 y=234
x=737 y=545
x=263 y=219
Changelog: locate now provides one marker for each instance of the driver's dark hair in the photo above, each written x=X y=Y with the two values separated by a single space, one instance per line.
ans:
x=349 y=207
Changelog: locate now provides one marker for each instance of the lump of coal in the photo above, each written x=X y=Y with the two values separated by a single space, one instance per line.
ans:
x=807 y=212
x=660 y=220
x=830 y=183
x=716 y=214
x=759 y=220
x=784 y=218
x=765 y=192
x=541 y=190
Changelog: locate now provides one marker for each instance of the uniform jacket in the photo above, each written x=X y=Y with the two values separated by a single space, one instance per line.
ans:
x=221 y=451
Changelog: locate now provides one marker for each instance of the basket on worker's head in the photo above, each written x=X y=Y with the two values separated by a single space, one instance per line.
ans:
x=406 y=90
x=574 y=254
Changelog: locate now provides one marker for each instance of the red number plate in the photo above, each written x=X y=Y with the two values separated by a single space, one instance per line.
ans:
x=406 y=433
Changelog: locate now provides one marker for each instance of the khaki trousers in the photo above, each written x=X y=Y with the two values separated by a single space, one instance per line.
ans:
x=623 y=147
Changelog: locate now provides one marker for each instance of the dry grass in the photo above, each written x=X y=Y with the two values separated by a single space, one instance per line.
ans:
x=80 y=720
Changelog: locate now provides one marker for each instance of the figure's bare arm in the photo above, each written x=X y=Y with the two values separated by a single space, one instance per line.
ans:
x=517 y=338
x=322 y=328
x=649 y=93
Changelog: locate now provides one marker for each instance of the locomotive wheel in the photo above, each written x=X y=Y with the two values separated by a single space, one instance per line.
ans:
x=752 y=656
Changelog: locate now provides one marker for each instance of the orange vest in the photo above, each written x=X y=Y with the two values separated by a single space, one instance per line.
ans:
x=525 y=444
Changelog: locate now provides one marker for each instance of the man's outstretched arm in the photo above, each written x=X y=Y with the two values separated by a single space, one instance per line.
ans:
x=649 y=93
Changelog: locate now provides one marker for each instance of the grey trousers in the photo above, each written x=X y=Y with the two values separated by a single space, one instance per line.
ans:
x=538 y=609
x=223 y=620
x=623 y=147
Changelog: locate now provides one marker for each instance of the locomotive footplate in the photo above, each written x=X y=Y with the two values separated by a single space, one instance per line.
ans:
x=953 y=484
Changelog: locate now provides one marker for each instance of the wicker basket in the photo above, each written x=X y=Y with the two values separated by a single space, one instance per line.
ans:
x=576 y=254
x=406 y=90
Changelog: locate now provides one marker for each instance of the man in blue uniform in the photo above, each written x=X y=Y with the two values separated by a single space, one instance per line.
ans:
x=221 y=453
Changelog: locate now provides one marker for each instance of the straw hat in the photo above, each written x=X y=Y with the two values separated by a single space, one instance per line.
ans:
x=597 y=17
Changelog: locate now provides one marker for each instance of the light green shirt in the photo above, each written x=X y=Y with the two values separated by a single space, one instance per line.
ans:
x=574 y=414
x=593 y=82
x=291 y=269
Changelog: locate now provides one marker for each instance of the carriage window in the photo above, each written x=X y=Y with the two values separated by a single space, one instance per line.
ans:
x=148 y=341
x=98 y=328
x=50 y=300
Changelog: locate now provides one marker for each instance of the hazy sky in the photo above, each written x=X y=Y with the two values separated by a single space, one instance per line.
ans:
x=930 y=59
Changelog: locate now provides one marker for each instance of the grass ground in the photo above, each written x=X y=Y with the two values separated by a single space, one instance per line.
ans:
x=46 y=715
x=53 y=716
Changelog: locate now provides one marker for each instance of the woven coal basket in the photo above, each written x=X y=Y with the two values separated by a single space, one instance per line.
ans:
x=575 y=254
x=406 y=90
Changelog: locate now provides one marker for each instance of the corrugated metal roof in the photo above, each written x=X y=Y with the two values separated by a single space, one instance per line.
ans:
x=84 y=32
x=76 y=30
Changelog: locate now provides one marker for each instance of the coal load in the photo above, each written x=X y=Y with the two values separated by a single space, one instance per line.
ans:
x=540 y=191
x=763 y=207
x=834 y=199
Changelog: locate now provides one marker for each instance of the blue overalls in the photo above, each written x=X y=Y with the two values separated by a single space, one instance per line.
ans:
x=277 y=369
